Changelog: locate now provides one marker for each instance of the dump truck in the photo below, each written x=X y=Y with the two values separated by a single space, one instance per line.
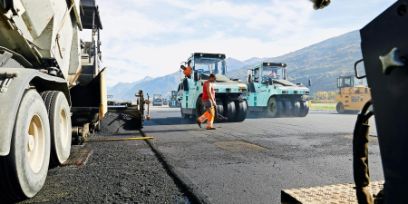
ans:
x=52 y=87
x=351 y=97
x=271 y=93
x=230 y=94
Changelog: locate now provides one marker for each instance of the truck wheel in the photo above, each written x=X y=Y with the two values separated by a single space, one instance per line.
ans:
x=340 y=108
x=288 y=108
x=24 y=170
x=242 y=107
x=274 y=108
x=231 y=111
x=219 y=110
x=297 y=109
x=200 y=109
x=304 y=109
x=60 y=125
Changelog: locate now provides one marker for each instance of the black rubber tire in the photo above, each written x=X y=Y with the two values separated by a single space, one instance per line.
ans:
x=18 y=178
x=200 y=109
x=230 y=111
x=304 y=109
x=340 y=108
x=242 y=110
x=219 y=110
x=288 y=108
x=274 y=108
x=60 y=125
x=297 y=108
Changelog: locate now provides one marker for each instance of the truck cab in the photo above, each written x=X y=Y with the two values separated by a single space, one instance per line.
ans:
x=270 y=90
x=230 y=94
x=157 y=100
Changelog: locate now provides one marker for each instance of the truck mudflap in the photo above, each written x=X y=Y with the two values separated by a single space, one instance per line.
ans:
x=334 y=194
x=13 y=83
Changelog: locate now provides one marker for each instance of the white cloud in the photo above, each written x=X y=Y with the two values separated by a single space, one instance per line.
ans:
x=152 y=37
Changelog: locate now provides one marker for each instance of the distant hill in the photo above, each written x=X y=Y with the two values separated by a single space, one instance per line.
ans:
x=160 y=85
x=322 y=63
x=234 y=64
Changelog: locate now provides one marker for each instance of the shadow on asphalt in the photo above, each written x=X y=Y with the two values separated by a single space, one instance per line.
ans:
x=120 y=134
x=255 y=116
x=168 y=121
x=174 y=130
x=263 y=116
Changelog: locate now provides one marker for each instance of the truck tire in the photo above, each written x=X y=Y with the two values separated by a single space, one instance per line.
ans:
x=24 y=170
x=200 y=109
x=274 y=108
x=304 y=109
x=231 y=111
x=219 y=110
x=340 y=108
x=242 y=109
x=288 y=107
x=60 y=126
x=297 y=108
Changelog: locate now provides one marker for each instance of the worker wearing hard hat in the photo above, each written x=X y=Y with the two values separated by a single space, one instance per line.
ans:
x=208 y=99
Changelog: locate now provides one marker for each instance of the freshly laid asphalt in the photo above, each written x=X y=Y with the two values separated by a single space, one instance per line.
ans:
x=251 y=162
x=248 y=162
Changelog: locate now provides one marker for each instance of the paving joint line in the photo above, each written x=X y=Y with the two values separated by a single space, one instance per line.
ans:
x=182 y=182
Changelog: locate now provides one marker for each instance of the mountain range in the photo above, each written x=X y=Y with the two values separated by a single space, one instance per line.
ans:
x=322 y=63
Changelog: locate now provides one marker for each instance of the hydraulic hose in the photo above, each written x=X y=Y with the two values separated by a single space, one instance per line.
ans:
x=360 y=156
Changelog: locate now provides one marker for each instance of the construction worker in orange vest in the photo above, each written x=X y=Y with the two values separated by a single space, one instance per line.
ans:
x=187 y=70
x=208 y=100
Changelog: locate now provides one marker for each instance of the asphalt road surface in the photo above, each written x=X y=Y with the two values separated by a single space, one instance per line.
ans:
x=248 y=162
x=251 y=162
x=115 y=172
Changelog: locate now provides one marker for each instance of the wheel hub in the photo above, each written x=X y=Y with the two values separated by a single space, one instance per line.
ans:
x=35 y=143
x=272 y=107
x=31 y=142
x=64 y=127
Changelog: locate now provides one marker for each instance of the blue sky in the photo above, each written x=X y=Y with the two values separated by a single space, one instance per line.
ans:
x=152 y=37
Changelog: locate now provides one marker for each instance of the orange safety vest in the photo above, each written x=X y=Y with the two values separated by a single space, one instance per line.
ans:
x=187 y=71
